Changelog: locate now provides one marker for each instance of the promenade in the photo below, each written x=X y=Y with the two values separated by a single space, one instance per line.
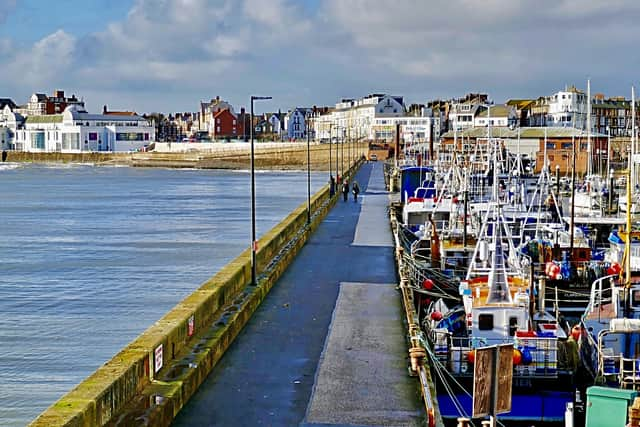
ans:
x=326 y=347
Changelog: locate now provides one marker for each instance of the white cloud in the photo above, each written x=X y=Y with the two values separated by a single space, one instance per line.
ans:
x=44 y=63
x=167 y=54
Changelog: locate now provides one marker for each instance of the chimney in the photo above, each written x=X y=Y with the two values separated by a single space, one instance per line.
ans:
x=104 y=109
x=58 y=94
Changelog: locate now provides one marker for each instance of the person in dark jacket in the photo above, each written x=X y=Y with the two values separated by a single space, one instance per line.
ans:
x=355 y=189
x=332 y=186
x=345 y=190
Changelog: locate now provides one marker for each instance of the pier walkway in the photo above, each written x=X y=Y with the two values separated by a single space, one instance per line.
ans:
x=326 y=347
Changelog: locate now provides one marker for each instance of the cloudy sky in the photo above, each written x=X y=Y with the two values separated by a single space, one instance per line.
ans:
x=167 y=55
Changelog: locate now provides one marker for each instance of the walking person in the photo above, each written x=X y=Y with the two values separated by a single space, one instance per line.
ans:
x=355 y=189
x=345 y=190
x=332 y=186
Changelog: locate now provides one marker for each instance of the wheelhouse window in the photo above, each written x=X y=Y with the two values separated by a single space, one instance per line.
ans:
x=485 y=322
x=513 y=325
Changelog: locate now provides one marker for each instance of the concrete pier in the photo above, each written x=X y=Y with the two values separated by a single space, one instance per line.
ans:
x=326 y=346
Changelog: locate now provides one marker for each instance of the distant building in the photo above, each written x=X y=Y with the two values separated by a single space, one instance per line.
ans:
x=276 y=120
x=495 y=115
x=470 y=146
x=76 y=130
x=463 y=110
x=7 y=101
x=225 y=125
x=355 y=118
x=568 y=108
x=41 y=104
x=208 y=110
x=295 y=123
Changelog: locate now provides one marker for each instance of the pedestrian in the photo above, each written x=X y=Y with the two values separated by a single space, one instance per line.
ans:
x=355 y=189
x=332 y=186
x=345 y=190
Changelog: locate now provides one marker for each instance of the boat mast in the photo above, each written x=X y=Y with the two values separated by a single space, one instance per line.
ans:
x=573 y=196
x=589 y=159
x=627 y=248
x=633 y=138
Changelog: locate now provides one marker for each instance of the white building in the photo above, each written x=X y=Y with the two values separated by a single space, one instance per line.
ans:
x=355 y=118
x=496 y=115
x=277 y=123
x=78 y=131
x=461 y=114
x=413 y=130
x=568 y=108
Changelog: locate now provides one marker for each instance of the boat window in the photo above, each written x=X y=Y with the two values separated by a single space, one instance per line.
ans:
x=485 y=322
x=513 y=326
x=635 y=298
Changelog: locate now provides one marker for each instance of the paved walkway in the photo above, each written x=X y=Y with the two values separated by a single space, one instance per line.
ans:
x=326 y=347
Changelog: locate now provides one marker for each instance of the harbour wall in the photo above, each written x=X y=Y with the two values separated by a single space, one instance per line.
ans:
x=287 y=155
x=151 y=379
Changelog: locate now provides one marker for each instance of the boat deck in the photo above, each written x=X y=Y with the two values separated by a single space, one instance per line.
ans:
x=327 y=344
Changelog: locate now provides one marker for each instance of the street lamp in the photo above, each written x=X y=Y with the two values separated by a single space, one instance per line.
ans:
x=308 y=173
x=331 y=180
x=254 y=242
x=337 y=140
x=344 y=131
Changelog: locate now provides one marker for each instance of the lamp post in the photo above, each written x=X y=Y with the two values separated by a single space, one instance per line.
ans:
x=344 y=131
x=337 y=140
x=254 y=242
x=308 y=174
x=329 y=144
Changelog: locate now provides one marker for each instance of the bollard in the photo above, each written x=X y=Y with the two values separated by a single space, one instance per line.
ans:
x=417 y=355
x=464 y=422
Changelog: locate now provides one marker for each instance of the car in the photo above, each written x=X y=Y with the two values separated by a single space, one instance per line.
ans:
x=373 y=157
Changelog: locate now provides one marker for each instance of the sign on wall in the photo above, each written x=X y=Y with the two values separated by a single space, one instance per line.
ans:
x=191 y=325
x=158 y=359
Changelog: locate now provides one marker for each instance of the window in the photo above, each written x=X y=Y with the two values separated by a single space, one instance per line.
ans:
x=218 y=129
x=485 y=322
x=37 y=140
x=635 y=298
x=234 y=122
x=70 y=141
x=513 y=326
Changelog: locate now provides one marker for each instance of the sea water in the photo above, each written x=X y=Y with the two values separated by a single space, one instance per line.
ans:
x=90 y=257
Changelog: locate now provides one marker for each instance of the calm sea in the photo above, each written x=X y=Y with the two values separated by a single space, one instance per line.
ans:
x=92 y=256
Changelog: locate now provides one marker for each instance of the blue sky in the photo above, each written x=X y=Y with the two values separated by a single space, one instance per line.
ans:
x=167 y=55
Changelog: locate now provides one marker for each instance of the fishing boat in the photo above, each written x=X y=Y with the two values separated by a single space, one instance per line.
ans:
x=496 y=303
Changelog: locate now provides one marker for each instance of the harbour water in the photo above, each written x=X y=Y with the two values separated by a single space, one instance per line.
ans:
x=92 y=256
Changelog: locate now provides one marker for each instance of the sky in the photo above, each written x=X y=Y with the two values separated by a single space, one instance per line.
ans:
x=168 y=55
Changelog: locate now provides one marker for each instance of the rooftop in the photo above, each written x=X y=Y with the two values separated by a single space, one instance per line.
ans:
x=496 y=111
x=525 y=132
x=48 y=118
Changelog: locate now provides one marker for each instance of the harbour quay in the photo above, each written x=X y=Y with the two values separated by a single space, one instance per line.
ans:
x=268 y=155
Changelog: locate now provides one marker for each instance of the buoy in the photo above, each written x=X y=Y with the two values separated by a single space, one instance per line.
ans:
x=614 y=268
x=427 y=284
x=526 y=356
x=517 y=356
x=436 y=315
x=483 y=250
x=471 y=357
